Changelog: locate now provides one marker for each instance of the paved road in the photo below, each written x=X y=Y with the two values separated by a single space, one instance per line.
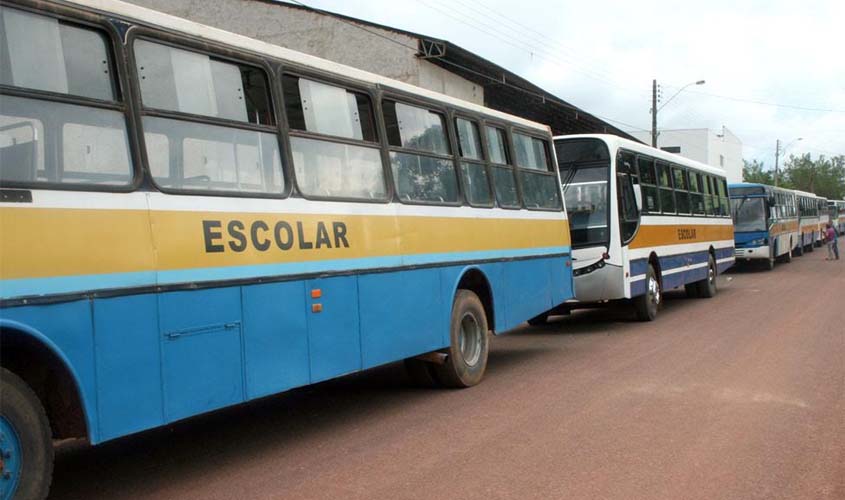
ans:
x=738 y=397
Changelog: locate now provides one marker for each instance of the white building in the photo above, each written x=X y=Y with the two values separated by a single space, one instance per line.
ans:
x=720 y=149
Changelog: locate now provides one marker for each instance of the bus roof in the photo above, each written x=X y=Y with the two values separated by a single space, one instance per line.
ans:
x=614 y=141
x=154 y=18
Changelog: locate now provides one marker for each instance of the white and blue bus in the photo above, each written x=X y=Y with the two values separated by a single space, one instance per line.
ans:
x=809 y=221
x=837 y=214
x=193 y=219
x=642 y=221
x=765 y=223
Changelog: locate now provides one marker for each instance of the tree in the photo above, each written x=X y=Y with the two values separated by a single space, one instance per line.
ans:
x=823 y=176
x=753 y=171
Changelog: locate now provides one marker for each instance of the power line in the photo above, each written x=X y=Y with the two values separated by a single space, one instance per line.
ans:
x=764 y=103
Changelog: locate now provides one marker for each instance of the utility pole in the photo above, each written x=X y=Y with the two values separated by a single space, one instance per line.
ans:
x=777 y=153
x=654 y=113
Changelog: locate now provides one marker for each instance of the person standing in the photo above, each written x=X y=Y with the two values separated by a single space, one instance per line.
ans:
x=830 y=239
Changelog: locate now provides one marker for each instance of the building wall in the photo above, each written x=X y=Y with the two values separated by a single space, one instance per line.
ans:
x=323 y=36
x=719 y=149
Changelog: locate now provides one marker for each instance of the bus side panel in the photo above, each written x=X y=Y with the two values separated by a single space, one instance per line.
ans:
x=126 y=339
x=275 y=337
x=401 y=315
x=527 y=289
x=561 y=280
x=68 y=326
x=201 y=350
x=334 y=339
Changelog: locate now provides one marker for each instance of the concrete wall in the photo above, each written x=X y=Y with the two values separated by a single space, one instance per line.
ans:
x=718 y=148
x=323 y=36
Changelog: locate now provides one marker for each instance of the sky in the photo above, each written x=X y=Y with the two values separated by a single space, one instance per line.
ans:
x=786 y=56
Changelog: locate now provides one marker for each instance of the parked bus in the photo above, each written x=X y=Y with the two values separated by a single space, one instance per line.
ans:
x=837 y=214
x=825 y=218
x=808 y=221
x=193 y=219
x=642 y=221
x=765 y=223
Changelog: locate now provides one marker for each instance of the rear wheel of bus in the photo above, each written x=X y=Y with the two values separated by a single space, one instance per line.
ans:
x=466 y=357
x=707 y=286
x=26 y=446
x=648 y=303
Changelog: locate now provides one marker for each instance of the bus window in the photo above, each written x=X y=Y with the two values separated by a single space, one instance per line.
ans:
x=504 y=182
x=473 y=170
x=696 y=193
x=325 y=167
x=540 y=189
x=724 y=203
x=648 y=185
x=667 y=195
x=205 y=157
x=427 y=174
x=626 y=201
x=682 y=196
x=708 y=195
x=90 y=142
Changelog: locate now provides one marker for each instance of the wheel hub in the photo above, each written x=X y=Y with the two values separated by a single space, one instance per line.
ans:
x=470 y=339
x=10 y=459
x=654 y=290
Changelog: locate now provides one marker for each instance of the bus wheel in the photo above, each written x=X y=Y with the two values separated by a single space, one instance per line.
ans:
x=769 y=264
x=707 y=286
x=648 y=303
x=787 y=258
x=799 y=250
x=26 y=446
x=466 y=358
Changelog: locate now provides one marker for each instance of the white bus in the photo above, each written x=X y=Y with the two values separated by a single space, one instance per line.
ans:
x=642 y=221
x=809 y=222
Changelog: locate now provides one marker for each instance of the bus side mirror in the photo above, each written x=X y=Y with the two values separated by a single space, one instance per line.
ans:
x=638 y=196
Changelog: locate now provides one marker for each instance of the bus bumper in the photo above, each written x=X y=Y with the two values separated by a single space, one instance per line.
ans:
x=762 y=252
x=606 y=283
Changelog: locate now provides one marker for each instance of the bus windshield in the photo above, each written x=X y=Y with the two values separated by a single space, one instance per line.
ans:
x=749 y=214
x=587 y=204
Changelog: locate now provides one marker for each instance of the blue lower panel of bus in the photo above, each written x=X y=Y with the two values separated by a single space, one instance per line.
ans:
x=145 y=360
x=670 y=267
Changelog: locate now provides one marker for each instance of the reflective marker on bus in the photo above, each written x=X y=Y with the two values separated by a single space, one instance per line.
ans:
x=642 y=221
x=193 y=219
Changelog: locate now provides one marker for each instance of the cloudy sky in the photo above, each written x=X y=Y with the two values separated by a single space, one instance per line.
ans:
x=773 y=69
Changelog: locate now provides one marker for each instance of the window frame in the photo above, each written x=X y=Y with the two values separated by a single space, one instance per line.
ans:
x=503 y=126
x=551 y=170
x=655 y=186
x=287 y=132
x=484 y=161
x=226 y=54
x=686 y=192
x=431 y=106
x=123 y=102
x=670 y=188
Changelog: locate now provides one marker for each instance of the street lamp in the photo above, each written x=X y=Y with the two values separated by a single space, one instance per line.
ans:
x=655 y=109
x=777 y=154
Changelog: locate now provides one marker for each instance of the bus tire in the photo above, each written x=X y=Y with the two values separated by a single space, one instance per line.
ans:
x=799 y=250
x=692 y=290
x=648 y=303
x=466 y=358
x=540 y=319
x=787 y=257
x=707 y=286
x=24 y=427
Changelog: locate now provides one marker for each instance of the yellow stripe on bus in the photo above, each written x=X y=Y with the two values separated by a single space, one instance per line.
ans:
x=61 y=242
x=654 y=236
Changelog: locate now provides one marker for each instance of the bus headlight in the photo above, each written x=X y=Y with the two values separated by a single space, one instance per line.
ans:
x=759 y=242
